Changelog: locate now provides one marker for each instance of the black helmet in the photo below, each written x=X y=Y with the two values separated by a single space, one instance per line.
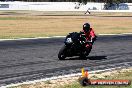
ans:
x=86 y=27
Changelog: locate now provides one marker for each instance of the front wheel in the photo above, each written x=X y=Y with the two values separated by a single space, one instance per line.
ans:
x=61 y=54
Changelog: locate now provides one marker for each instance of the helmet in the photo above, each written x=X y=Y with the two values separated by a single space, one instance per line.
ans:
x=86 y=27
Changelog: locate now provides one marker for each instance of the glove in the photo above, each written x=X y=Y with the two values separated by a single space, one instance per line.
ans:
x=93 y=39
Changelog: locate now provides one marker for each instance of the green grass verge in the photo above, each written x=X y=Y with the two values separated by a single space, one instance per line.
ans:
x=124 y=75
x=77 y=85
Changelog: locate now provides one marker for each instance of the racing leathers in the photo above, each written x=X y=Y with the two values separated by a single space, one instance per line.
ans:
x=90 y=37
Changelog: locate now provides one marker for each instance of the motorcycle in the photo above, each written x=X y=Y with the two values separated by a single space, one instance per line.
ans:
x=75 y=45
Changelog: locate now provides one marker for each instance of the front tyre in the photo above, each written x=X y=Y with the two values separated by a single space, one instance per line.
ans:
x=61 y=54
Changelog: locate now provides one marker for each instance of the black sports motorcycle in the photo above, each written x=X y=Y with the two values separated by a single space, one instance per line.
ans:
x=74 y=46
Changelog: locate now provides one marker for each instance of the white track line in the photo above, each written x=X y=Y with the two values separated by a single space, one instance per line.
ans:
x=32 y=38
x=117 y=34
x=58 y=77
x=59 y=37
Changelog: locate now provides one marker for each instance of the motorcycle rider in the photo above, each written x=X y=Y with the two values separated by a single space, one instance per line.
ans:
x=88 y=32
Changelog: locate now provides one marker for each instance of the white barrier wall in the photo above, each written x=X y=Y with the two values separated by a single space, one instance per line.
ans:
x=49 y=6
x=53 y=6
x=14 y=6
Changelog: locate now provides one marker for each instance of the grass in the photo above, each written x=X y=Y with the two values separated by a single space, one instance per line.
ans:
x=125 y=75
x=13 y=25
x=77 y=85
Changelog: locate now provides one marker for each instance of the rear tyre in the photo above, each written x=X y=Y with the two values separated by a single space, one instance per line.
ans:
x=88 y=51
x=85 y=53
x=61 y=54
x=83 y=57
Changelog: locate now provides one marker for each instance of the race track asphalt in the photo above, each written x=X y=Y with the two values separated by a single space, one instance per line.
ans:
x=23 y=60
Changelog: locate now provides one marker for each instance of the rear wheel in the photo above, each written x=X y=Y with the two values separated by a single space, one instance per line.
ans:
x=88 y=51
x=61 y=54
x=83 y=57
x=85 y=53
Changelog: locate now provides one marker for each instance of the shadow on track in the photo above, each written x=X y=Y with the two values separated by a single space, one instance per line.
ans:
x=97 y=57
x=89 y=57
